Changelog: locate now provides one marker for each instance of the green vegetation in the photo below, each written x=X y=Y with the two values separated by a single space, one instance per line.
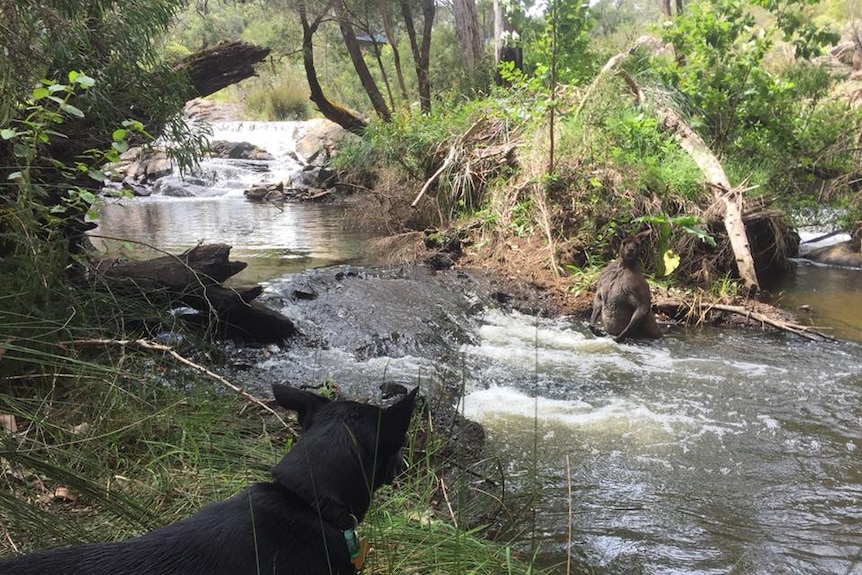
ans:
x=139 y=441
x=116 y=442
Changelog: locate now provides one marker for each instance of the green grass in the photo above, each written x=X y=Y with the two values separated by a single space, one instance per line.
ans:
x=138 y=441
x=285 y=101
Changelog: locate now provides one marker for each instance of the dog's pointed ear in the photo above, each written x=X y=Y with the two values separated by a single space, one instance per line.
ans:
x=396 y=418
x=304 y=403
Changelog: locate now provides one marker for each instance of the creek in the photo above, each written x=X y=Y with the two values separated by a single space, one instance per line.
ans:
x=710 y=451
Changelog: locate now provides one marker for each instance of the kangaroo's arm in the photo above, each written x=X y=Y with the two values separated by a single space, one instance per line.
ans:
x=639 y=298
x=597 y=307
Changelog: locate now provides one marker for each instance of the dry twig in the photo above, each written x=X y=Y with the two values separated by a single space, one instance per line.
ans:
x=152 y=346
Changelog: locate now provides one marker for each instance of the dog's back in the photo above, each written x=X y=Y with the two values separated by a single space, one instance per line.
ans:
x=260 y=530
x=300 y=524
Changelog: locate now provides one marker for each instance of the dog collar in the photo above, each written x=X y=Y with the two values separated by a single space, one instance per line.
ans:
x=357 y=547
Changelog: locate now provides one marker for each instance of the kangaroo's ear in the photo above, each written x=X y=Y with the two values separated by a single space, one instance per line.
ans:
x=396 y=418
x=304 y=403
x=643 y=234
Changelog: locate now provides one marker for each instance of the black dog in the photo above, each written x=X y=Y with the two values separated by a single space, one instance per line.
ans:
x=300 y=524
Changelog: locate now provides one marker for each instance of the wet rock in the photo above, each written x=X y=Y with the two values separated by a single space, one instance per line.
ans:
x=171 y=189
x=847 y=254
x=142 y=165
x=136 y=188
x=314 y=177
x=439 y=261
x=448 y=248
x=304 y=294
x=843 y=254
x=268 y=193
x=238 y=151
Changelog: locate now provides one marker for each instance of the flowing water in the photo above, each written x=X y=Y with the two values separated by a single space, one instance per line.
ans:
x=710 y=451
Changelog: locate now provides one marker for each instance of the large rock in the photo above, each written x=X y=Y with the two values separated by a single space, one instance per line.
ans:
x=143 y=165
x=238 y=151
x=319 y=141
x=212 y=111
x=843 y=254
x=846 y=254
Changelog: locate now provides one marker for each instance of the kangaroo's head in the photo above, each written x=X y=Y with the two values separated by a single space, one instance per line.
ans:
x=630 y=248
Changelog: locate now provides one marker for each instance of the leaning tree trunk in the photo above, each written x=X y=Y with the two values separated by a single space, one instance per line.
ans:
x=355 y=52
x=331 y=111
x=421 y=51
x=385 y=16
x=730 y=198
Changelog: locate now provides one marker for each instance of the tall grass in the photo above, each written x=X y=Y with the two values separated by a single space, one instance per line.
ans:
x=109 y=443
x=284 y=101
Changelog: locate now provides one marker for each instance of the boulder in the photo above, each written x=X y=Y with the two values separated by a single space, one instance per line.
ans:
x=143 y=165
x=846 y=254
x=314 y=177
x=238 y=151
x=319 y=141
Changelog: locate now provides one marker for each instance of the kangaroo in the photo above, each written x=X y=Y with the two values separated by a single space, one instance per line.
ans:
x=302 y=523
x=623 y=296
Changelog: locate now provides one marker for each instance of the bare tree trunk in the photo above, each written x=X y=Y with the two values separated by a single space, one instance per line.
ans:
x=331 y=111
x=469 y=33
x=359 y=65
x=393 y=43
x=379 y=58
x=421 y=52
x=729 y=197
x=504 y=52
x=499 y=28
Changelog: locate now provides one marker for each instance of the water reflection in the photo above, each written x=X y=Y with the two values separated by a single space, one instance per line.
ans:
x=273 y=240
x=830 y=296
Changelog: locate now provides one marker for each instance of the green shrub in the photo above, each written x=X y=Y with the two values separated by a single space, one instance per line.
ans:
x=279 y=102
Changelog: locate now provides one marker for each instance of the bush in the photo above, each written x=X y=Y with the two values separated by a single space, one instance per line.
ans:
x=280 y=102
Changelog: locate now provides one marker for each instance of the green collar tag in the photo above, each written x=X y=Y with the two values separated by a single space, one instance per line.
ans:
x=352 y=543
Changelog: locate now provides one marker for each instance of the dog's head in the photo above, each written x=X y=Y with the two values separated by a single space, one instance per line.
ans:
x=347 y=449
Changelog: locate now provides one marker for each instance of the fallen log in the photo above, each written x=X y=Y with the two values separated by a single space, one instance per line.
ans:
x=676 y=308
x=215 y=68
x=194 y=279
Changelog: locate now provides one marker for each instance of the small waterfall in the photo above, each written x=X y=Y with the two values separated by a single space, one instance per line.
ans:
x=229 y=177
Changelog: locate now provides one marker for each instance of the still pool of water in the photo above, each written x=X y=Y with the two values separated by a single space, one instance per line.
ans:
x=273 y=239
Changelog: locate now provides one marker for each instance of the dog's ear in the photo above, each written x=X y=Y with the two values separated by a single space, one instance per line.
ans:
x=396 y=418
x=304 y=403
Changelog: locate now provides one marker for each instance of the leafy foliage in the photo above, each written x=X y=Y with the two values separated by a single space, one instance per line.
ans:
x=37 y=217
x=565 y=39
x=734 y=100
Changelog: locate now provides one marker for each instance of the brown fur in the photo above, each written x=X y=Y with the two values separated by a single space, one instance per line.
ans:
x=623 y=296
